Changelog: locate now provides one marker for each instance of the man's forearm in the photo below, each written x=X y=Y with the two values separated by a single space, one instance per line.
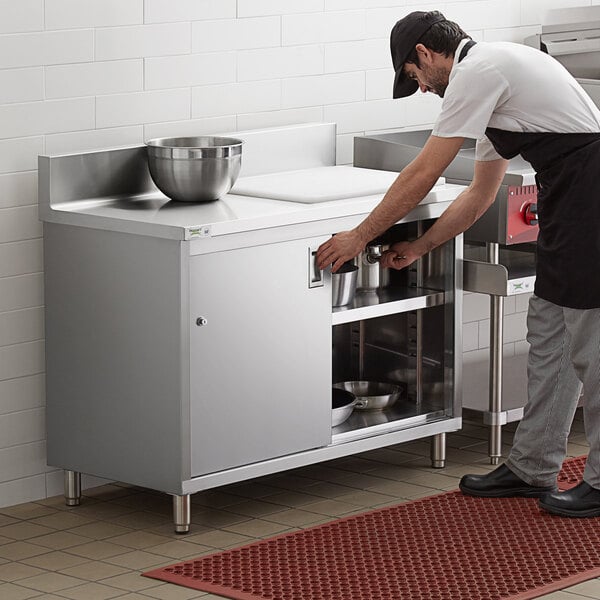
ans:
x=405 y=193
x=456 y=219
x=411 y=186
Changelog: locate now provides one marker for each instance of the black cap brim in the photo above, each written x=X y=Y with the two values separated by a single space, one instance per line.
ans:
x=403 y=85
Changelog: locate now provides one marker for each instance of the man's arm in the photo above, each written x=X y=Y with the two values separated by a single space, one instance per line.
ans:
x=411 y=186
x=457 y=218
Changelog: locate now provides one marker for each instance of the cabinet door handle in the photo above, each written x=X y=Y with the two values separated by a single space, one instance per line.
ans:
x=315 y=275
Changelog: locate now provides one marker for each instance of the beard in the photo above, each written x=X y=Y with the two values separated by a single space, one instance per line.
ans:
x=437 y=78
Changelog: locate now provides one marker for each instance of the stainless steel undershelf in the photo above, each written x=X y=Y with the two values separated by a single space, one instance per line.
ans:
x=368 y=305
x=513 y=274
x=488 y=278
x=364 y=423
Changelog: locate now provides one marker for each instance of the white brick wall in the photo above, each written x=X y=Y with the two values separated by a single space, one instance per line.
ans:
x=83 y=74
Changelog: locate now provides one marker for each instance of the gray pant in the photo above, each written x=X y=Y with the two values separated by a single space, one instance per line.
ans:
x=564 y=354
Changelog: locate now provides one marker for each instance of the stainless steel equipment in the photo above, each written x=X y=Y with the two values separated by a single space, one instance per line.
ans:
x=194 y=169
x=572 y=36
x=500 y=248
x=343 y=285
x=372 y=395
x=370 y=274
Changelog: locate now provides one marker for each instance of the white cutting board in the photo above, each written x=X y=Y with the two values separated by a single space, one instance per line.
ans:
x=319 y=184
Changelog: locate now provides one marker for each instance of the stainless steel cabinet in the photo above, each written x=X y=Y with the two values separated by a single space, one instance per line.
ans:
x=260 y=355
x=189 y=347
x=183 y=371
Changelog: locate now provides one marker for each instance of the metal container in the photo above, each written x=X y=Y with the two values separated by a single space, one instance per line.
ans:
x=372 y=395
x=194 y=169
x=370 y=274
x=342 y=405
x=343 y=284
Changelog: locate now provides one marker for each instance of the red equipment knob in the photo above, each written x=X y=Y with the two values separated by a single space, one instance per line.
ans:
x=530 y=211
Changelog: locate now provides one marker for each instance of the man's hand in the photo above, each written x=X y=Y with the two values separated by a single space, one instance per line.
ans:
x=340 y=248
x=399 y=255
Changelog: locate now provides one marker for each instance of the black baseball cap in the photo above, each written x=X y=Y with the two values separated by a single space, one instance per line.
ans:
x=405 y=35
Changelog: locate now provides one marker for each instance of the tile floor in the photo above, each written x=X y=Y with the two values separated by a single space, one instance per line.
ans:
x=97 y=551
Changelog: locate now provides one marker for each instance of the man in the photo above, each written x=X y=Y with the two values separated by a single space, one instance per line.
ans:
x=513 y=100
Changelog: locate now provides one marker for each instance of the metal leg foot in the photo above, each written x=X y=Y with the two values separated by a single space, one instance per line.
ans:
x=495 y=444
x=438 y=451
x=72 y=488
x=181 y=513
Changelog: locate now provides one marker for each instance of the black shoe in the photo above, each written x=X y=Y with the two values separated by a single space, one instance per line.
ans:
x=501 y=483
x=581 y=501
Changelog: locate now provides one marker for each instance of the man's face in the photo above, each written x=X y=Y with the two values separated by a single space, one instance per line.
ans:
x=430 y=77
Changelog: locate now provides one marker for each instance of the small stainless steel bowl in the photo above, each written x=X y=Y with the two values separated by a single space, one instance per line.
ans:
x=343 y=284
x=342 y=405
x=194 y=169
x=372 y=395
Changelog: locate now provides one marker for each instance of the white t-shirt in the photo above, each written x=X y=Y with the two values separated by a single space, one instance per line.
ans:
x=514 y=88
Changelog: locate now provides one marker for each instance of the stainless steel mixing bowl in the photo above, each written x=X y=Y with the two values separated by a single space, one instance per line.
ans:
x=372 y=395
x=194 y=169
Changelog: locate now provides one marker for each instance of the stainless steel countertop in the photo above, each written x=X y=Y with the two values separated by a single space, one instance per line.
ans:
x=112 y=190
x=154 y=214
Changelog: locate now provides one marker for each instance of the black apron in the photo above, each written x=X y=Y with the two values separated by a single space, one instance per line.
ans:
x=567 y=169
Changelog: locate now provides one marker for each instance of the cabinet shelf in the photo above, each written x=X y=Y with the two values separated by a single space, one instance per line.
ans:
x=404 y=414
x=513 y=274
x=368 y=305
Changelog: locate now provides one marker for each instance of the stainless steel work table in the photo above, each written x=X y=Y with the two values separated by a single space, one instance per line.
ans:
x=186 y=345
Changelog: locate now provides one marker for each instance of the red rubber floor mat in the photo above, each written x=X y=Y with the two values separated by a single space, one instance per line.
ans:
x=447 y=546
x=570 y=474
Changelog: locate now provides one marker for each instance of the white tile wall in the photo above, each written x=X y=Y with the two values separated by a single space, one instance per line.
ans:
x=21 y=258
x=313 y=28
x=26 y=15
x=18 y=189
x=22 y=393
x=22 y=360
x=78 y=75
x=46 y=48
x=20 y=223
x=164 y=11
x=323 y=89
x=190 y=70
x=236 y=34
x=25 y=325
x=253 y=8
x=65 y=14
x=96 y=78
x=279 y=63
x=20 y=154
x=21 y=85
x=51 y=116
x=532 y=10
x=148 y=107
x=255 y=96
x=113 y=43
